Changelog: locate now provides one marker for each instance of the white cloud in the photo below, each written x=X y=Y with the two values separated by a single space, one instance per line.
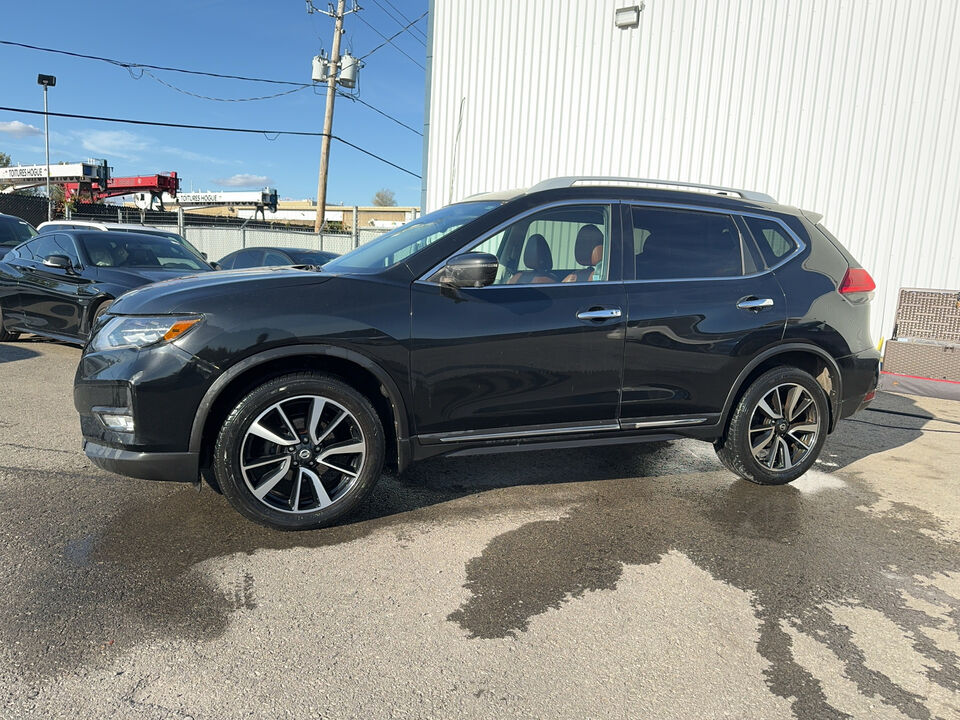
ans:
x=19 y=129
x=244 y=180
x=113 y=143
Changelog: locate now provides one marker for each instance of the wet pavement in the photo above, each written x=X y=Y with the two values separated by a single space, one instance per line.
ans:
x=630 y=582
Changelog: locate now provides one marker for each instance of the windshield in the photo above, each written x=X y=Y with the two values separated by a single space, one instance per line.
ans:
x=135 y=250
x=14 y=231
x=399 y=244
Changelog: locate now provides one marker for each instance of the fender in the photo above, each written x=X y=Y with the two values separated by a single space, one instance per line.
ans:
x=393 y=391
x=835 y=376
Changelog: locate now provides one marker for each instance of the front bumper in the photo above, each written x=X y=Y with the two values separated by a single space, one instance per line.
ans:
x=166 y=466
x=160 y=388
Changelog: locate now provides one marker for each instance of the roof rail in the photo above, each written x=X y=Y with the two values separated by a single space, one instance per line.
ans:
x=570 y=181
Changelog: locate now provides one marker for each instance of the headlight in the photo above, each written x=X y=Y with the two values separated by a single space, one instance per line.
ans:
x=121 y=332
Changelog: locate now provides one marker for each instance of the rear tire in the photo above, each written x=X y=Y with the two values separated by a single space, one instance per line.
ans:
x=299 y=452
x=6 y=335
x=777 y=429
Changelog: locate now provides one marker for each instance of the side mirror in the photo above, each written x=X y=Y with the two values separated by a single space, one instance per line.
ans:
x=58 y=261
x=469 y=270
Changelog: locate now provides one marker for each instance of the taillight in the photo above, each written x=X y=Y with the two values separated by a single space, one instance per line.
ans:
x=856 y=280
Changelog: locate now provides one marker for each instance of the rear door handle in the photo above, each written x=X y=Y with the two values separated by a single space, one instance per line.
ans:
x=599 y=314
x=755 y=303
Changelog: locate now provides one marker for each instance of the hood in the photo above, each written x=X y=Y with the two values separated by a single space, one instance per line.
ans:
x=192 y=293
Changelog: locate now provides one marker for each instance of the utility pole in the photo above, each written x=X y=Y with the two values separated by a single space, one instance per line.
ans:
x=334 y=68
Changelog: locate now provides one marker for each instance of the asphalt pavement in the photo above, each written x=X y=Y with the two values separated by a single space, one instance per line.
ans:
x=635 y=582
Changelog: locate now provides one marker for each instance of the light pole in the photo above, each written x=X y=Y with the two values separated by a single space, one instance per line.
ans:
x=47 y=81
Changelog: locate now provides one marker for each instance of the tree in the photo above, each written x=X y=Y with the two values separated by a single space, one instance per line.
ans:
x=385 y=198
x=4 y=160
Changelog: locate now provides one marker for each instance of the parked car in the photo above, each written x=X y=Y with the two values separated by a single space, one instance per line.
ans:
x=58 y=283
x=582 y=312
x=13 y=231
x=274 y=256
x=55 y=225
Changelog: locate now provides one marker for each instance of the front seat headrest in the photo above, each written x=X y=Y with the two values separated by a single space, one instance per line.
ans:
x=587 y=239
x=537 y=255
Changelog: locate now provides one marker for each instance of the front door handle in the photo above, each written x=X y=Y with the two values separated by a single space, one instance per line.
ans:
x=755 y=303
x=599 y=314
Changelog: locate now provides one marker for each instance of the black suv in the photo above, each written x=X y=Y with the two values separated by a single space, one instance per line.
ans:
x=584 y=311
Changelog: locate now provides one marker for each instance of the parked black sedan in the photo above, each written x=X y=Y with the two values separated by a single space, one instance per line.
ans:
x=274 y=256
x=58 y=284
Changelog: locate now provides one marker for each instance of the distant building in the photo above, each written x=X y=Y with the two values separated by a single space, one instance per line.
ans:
x=303 y=212
x=843 y=108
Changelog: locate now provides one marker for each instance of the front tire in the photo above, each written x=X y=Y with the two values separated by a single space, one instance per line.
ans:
x=777 y=429
x=299 y=452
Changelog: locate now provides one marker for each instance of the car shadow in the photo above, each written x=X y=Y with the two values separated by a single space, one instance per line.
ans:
x=795 y=549
x=12 y=352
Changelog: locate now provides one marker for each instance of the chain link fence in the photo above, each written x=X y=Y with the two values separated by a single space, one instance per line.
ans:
x=215 y=235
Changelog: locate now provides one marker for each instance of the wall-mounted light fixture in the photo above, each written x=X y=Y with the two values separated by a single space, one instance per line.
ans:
x=628 y=17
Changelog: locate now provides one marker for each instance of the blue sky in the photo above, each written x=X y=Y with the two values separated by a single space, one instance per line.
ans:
x=240 y=37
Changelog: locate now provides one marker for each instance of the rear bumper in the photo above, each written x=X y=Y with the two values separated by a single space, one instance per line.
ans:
x=166 y=466
x=860 y=374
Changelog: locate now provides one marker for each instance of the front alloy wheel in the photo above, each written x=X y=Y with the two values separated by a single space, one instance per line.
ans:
x=302 y=454
x=299 y=452
x=777 y=429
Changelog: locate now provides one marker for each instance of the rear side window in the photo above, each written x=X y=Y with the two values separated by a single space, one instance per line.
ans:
x=774 y=242
x=671 y=244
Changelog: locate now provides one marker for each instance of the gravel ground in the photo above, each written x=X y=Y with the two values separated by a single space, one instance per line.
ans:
x=611 y=583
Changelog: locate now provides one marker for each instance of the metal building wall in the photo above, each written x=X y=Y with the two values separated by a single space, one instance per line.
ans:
x=845 y=107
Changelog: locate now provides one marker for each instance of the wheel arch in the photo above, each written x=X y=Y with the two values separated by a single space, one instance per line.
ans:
x=356 y=369
x=91 y=311
x=806 y=356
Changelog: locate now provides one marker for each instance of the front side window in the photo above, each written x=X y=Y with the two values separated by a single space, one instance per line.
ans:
x=558 y=245
x=674 y=244
x=53 y=244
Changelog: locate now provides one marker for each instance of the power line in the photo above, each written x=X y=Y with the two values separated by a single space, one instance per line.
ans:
x=414 y=32
x=405 y=18
x=253 y=131
x=363 y=102
x=221 y=99
x=123 y=64
x=129 y=66
x=389 y=40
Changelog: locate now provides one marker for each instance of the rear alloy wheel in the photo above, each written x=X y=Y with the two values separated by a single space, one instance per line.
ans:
x=777 y=429
x=299 y=452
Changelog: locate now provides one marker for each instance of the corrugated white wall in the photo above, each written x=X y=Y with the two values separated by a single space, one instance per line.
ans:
x=845 y=107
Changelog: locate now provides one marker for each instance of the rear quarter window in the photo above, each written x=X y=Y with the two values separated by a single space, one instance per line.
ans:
x=774 y=242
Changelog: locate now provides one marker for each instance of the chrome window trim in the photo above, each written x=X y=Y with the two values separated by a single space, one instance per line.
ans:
x=516 y=218
x=801 y=245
